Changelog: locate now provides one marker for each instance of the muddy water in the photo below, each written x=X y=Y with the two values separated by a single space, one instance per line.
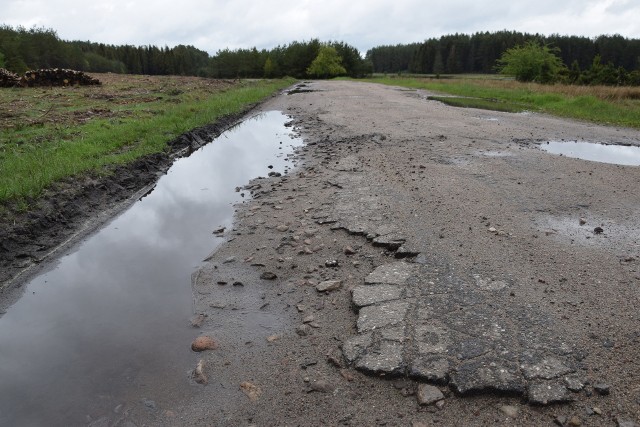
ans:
x=615 y=154
x=107 y=326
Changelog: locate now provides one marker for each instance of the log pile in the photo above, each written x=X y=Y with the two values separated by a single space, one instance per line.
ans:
x=56 y=77
x=8 y=79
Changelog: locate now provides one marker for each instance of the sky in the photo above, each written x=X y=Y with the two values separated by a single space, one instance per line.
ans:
x=218 y=24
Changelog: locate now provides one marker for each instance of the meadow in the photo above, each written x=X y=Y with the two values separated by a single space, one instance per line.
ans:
x=608 y=105
x=49 y=134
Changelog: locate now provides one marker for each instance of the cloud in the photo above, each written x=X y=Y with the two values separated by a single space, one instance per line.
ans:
x=217 y=24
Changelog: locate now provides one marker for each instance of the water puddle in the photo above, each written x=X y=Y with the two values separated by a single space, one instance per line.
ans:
x=614 y=154
x=107 y=326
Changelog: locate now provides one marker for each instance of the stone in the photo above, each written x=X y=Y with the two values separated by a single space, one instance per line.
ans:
x=348 y=250
x=335 y=358
x=203 y=343
x=321 y=386
x=347 y=375
x=626 y=423
x=546 y=393
x=574 y=421
x=331 y=263
x=381 y=315
x=329 y=285
x=560 y=420
x=267 y=275
x=582 y=221
x=428 y=394
x=303 y=330
x=229 y=260
x=282 y=228
x=198 y=374
x=273 y=338
x=197 y=320
x=602 y=389
x=510 y=410
x=364 y=295
x=252 y=391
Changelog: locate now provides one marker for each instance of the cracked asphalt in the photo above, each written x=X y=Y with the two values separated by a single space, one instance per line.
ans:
x=429 y=266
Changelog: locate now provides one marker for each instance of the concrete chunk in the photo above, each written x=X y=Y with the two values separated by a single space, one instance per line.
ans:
x=364 y=295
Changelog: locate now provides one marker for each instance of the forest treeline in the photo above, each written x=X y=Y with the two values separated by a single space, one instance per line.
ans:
x=478 y=53
x=22 y=49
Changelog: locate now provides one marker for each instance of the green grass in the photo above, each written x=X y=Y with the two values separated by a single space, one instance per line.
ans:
x=613 y=106
x=35 y=153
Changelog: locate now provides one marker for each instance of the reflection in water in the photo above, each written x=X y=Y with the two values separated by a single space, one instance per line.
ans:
x=616 y=154
x=108 y=324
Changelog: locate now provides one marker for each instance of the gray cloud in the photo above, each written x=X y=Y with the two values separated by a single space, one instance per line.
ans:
x=214 y=25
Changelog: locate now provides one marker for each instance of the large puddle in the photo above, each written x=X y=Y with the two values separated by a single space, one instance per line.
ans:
x=107 y=326
x=615 y=154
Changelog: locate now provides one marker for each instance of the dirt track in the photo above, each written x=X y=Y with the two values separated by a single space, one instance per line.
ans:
x=504 y=297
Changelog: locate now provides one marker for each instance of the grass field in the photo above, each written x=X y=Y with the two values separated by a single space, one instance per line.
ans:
x=48 y=134
x=599 y=104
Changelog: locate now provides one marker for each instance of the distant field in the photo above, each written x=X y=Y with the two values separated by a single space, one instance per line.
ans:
x=48 y=134
x=600 y=104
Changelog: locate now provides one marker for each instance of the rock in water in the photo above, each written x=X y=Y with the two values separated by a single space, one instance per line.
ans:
x=199 y=375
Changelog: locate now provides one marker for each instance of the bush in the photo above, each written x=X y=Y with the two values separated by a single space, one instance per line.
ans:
x=327 y=64
x=532 y=62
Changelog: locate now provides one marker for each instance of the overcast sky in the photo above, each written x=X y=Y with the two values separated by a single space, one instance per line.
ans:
x=218 y=24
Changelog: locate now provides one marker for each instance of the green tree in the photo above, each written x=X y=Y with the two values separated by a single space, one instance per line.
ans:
x=327 y=64
x=269 y=68
x=1 y=60
x=531 y=62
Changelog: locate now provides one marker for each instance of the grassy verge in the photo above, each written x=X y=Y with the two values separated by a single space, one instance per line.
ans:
x=50 y=134
x=599 y=104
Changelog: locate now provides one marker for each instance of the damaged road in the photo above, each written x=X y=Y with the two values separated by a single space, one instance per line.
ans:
x=425 y=265
x=421 y=265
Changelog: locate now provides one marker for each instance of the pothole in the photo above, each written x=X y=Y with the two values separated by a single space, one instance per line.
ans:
x=627 y=155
